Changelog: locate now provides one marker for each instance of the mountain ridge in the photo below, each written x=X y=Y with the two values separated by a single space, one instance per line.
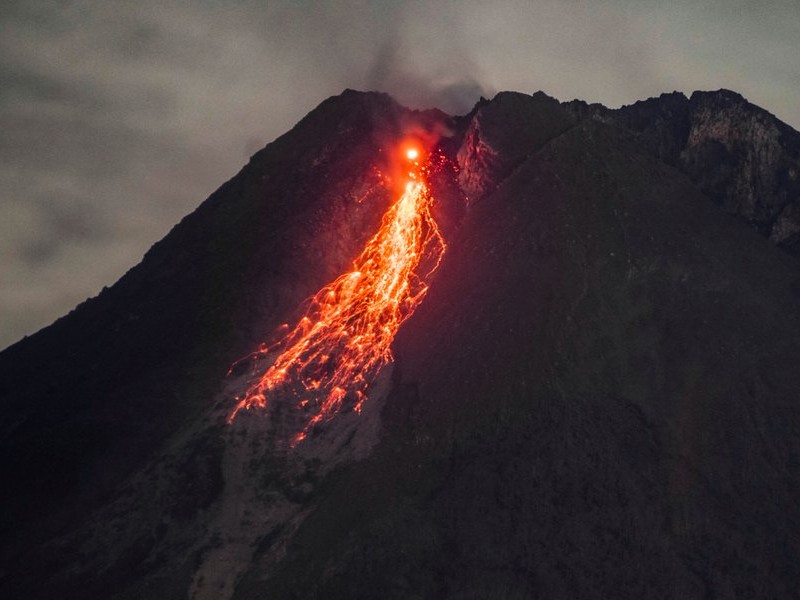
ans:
x=575 y=284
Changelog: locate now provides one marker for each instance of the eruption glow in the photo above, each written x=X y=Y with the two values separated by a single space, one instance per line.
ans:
x=344 y=339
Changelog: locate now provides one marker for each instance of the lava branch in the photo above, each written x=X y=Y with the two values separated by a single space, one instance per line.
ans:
x=345 y=337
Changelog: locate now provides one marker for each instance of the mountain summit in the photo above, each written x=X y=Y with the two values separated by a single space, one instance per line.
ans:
x=597 y=395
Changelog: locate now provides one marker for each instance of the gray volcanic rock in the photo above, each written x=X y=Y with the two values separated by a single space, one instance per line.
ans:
x=502 y=133
x=739 y=155
x=661 y=125
x=746 y=161
x=597 y=397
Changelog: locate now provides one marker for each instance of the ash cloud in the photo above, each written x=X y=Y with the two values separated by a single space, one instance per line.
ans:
x=452 y=89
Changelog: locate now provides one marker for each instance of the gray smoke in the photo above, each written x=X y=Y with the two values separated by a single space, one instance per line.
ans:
x=453 y=89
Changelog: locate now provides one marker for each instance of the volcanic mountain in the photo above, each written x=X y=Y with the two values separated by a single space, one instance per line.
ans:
x=597 y=394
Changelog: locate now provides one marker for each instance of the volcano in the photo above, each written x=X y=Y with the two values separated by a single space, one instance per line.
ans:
x=592 y=389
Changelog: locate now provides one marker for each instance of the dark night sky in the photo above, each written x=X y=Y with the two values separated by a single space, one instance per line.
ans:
x=118 y=118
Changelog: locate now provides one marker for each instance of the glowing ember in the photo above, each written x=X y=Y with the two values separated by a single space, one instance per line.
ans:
x=343 y=340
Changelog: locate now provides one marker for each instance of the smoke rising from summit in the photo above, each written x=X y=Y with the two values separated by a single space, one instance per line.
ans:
x=452 y=88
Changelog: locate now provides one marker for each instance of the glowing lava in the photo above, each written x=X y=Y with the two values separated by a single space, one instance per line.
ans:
x=337 y=348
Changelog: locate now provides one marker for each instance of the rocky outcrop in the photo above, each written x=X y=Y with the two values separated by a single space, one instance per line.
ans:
x=742 y=157
x=660 y=124
x=747 y=162
x=502 y=133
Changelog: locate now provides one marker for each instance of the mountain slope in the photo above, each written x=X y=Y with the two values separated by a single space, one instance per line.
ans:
x=598 y=396
x=597 y=399
x=87 y=401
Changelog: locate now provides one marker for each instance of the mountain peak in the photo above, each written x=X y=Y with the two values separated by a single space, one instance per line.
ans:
x=600 y=355
x=720 y=95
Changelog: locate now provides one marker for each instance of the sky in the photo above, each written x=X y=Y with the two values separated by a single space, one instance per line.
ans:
x=119 y=118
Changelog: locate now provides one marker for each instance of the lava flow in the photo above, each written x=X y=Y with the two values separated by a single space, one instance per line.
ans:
x=338 y=347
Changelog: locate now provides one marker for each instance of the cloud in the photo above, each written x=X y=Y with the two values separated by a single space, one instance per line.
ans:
x=118 y=118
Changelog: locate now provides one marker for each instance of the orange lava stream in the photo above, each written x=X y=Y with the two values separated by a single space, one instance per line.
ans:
x=344 y=339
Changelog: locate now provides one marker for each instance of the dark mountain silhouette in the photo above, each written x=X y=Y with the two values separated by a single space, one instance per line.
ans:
x=597 y=398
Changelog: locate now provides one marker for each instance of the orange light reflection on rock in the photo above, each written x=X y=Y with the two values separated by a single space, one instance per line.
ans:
x=344 y=339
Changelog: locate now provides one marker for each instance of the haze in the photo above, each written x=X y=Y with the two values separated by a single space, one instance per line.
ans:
x=120 y=118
